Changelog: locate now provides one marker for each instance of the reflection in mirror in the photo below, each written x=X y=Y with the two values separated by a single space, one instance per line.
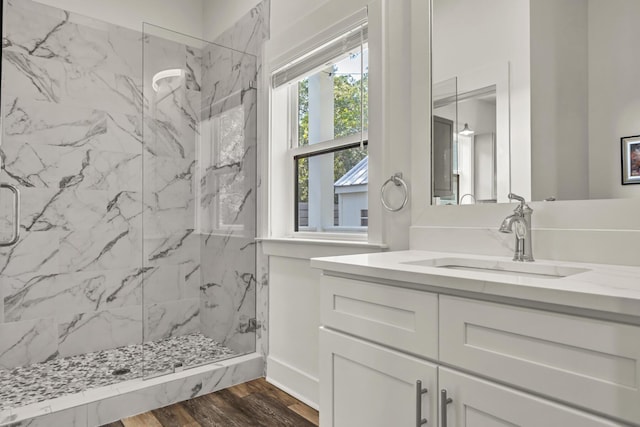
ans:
x=472 y=146
x=445 y=116
x=565 y=74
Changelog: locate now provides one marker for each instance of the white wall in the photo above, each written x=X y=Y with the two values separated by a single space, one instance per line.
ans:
x=584 y=100
x=481 y=115
x=614 y=92
x=559 y=119
x=184 y=16
x=219 y=15
x=294 y=312
x=294 y=319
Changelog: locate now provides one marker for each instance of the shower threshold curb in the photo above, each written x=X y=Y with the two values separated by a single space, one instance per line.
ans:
x=111 y=403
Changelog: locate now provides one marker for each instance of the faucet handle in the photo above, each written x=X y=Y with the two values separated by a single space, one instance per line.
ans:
x=523 y=204
x=514 y=196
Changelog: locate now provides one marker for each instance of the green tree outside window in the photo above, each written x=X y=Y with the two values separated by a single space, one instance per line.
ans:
x=348 y=92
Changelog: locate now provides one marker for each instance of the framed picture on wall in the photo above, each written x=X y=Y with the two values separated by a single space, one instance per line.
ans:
x=630 y=159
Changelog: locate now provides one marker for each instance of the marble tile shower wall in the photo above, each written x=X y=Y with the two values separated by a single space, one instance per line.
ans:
x=234 y=300
x=72 y=104
x=228 y=198
x=171 y=251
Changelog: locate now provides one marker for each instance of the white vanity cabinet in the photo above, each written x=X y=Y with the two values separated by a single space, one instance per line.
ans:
x=585 y=362
x=501 y=365
x=363 y=384
x=480 y=403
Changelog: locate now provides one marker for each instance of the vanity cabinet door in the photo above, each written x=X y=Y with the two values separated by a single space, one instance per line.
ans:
x=404 y=319
x=590 y=363
x=480 y=403
x=364 y=384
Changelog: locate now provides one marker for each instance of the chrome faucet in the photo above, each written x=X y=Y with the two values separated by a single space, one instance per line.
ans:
x=521 y=219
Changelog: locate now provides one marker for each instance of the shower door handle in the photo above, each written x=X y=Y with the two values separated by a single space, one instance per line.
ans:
x=16 y=215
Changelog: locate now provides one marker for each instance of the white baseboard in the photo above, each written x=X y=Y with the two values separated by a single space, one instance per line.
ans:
x=297 y=383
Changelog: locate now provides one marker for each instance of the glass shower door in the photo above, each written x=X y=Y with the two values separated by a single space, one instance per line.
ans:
x=199 y=201
x=71 y=282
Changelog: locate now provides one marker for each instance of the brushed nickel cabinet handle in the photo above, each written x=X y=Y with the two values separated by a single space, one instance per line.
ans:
x=444 y=401
x=419 y=392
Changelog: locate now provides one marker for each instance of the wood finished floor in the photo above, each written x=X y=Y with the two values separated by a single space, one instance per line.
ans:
x=256 y=403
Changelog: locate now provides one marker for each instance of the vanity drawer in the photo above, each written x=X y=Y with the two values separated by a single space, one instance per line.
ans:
x=404 y=319
x=586 y=362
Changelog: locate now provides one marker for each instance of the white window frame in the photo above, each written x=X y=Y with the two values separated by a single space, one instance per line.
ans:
x=283 y=147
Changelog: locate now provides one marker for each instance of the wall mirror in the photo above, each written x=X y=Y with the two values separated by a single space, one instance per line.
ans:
x=537 y=97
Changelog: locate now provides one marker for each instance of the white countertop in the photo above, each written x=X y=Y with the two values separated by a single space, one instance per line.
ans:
x=607 y=288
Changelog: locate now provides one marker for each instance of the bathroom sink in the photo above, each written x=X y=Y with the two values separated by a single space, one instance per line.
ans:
x=526 y=269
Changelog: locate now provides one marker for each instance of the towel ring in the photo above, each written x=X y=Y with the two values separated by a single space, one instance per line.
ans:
x=398 y=181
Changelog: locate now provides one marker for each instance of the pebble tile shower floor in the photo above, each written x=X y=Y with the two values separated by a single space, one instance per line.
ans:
x=59 y=377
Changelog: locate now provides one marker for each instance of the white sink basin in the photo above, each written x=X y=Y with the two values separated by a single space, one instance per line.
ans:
x=527 y=269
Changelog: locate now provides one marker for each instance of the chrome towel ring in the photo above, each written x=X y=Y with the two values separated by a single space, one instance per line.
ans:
x=398 y=181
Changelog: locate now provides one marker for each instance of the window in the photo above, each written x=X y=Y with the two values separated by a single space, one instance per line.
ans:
x=326 y=93
x=222 y=190
x=364 y=217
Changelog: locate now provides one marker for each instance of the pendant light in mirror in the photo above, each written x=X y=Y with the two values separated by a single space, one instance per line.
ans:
x=466 y=131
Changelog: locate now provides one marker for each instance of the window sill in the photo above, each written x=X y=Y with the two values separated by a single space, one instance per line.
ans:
x=306 y=248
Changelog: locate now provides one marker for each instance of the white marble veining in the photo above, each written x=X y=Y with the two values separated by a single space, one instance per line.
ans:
x=171 y=282
x=30 y=341
x=174 y=249
x=100 y=330
x=250 y=32
x=47 y=80
x=262 y=301
x=109 y=246
x=607 y=288
x=54 y=125
x=53 y=33
x=72 y=417
x=169 y=196
x=63 y=168
x=228 y=293
x=174 y=388
x=36 y=296
x=225 y=72
x=35 y=252
x=172 y=122
x=193 y=69
x=173 y=318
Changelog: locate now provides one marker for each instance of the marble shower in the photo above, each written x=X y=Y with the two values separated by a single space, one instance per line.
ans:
x=138 y=204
